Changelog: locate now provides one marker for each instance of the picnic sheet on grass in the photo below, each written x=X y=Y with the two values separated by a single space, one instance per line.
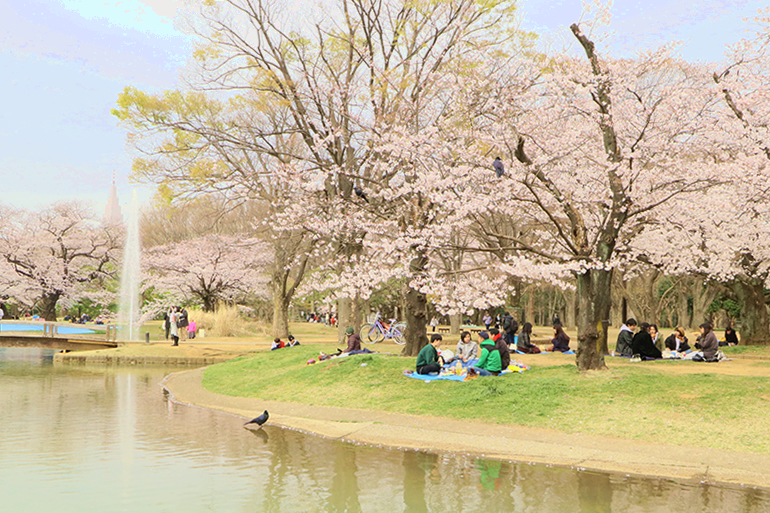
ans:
x=545 y=352
x=457 y=377
x=673 y=355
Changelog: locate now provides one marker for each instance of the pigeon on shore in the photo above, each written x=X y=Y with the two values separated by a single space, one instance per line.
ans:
x=256 y=423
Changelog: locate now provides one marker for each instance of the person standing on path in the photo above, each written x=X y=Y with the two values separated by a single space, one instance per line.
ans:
x=167 y=321
x=434 y=323
x=173 y=319
x=182 y=323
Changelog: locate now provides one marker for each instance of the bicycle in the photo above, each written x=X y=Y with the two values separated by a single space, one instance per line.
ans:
x=378 y=330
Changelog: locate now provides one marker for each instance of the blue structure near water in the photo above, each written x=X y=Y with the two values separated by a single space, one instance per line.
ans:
x=63 y=330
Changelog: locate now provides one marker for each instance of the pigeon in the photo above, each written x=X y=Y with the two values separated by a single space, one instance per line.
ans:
x=257 y=422
x=499 y=167
x=360 y=193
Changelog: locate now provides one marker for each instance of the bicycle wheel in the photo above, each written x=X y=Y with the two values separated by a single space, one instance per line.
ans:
x=371 y=334
x=397 y=334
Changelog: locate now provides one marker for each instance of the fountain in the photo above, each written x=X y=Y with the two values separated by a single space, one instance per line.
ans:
x=128 y=309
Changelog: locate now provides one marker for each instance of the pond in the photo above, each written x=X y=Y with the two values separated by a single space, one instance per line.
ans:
x=107 y=439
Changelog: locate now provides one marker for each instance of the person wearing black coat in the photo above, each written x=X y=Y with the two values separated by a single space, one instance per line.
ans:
x=643 y=345
x=677 y=341
x=731 y=338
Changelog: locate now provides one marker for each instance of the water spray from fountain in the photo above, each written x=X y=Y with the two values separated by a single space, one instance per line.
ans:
x=129 y=308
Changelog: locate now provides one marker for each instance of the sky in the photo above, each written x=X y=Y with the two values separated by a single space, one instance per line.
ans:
x=64 y=62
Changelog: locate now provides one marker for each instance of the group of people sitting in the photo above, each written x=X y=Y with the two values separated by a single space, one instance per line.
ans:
x=649 y=343
x=279 y=344
x=490 y=356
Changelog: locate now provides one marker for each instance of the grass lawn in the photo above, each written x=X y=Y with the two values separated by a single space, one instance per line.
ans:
x=627 y=401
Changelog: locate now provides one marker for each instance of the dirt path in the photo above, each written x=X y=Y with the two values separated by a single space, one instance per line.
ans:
x=513 y=443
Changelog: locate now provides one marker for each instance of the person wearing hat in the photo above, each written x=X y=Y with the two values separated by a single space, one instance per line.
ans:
x=490 y=363
x=428 y=360
x=354 y=341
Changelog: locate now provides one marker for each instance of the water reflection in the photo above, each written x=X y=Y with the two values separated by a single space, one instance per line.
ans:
x=78 y=438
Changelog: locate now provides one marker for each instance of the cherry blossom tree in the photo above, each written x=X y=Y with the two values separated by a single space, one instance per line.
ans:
x=321 y=93
x=596 y=150
x=209 y=269
x=56 y=253
x=744 y=207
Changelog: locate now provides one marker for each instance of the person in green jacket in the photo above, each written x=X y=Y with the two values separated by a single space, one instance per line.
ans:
x=428 y=361
x=490 y=363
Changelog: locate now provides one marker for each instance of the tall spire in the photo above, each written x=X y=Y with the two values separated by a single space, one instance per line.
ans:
x=112 y=214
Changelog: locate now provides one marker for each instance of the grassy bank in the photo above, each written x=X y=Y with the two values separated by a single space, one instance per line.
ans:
x=634 y=402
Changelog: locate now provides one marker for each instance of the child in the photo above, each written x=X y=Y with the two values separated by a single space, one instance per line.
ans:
x=428 y=361
x=292 y=341
x=191 y=329
x=277 y=344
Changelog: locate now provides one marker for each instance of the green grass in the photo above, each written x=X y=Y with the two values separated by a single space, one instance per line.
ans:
x=753 y=350
x=636 y=403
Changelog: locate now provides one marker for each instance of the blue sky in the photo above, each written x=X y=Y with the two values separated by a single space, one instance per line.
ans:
x=64 y=62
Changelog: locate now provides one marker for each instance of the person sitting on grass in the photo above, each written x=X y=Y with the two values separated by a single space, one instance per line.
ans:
x=428 y=360
x=524 y=341
x=502 y=347
x=467 y=349
x=657 y=338
x=623 y=345
x=677 y=341
x=490 y=363
x=277 y=343
x=560 y=340
x=293 y=341
x=707 y=342
x=354 y=341
x=731 y=338
x=643 y=345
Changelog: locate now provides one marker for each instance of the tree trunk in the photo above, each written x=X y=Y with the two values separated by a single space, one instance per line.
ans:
x=754 y=323
x=48 y=306
x=416 y=312
x=569 y=309
x=455 y=321
x=683 y=310
x=416 y=322
x=209 y=304
x=530 y=313
x=702 y=297
x=344 y=317
x=280 y=316
x=594 y=297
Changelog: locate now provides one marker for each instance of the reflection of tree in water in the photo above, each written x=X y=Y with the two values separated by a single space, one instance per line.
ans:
x=416 y=466
x=594 y=492
x=344 y=490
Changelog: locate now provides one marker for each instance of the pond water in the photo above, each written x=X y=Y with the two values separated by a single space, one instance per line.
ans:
x=107 y=439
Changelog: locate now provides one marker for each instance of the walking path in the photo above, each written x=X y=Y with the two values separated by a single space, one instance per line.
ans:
x=505 y=442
